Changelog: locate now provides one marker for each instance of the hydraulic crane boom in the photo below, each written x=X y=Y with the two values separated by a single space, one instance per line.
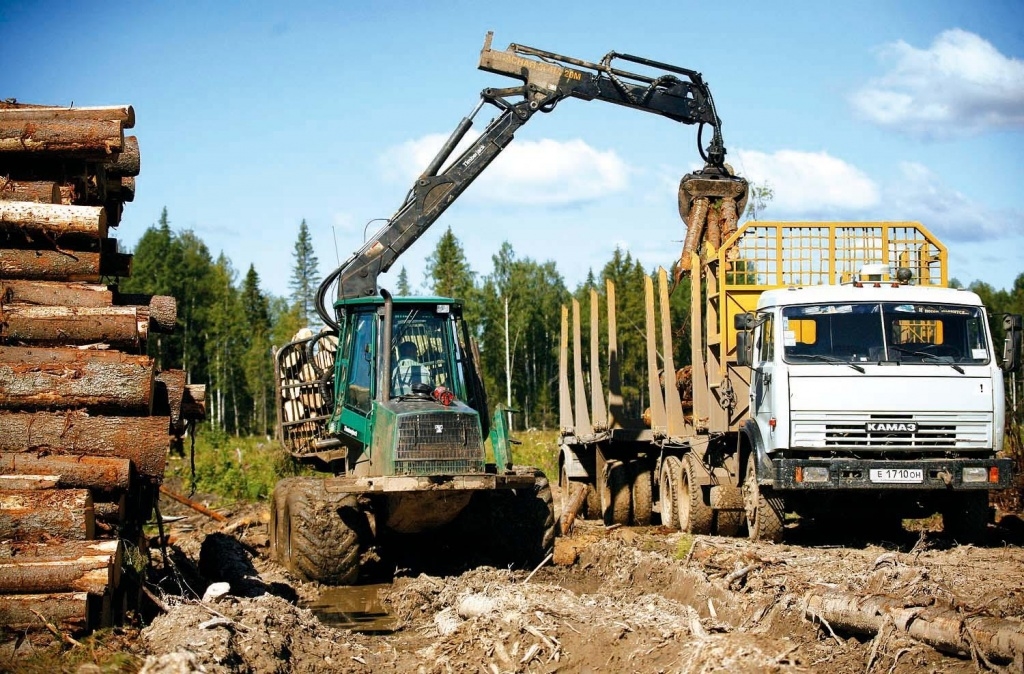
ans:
x=548 y=78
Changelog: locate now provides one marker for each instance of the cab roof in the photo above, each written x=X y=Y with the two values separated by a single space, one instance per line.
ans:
x=866 y=292
x=377 y=300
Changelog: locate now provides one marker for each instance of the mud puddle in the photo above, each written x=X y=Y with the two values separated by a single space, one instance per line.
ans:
x=356 y=607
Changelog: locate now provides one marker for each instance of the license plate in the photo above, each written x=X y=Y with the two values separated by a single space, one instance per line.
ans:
x=897 y=475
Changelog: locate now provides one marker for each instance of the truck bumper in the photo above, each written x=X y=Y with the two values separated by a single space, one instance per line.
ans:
x=413 y=483
x=935 y=474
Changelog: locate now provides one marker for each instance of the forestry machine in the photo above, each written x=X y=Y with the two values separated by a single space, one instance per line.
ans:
x=388 y=398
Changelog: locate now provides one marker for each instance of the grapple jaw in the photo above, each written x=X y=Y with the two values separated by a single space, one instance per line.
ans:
x=711 y=202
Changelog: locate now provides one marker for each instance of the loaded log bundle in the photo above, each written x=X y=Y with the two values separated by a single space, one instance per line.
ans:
x=86 y=417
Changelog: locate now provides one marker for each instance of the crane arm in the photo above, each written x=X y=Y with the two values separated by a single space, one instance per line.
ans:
x=547 y=78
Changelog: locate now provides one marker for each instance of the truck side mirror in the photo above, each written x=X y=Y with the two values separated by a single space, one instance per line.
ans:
x=744 y=321
x=745 y=348
x=1011 y=347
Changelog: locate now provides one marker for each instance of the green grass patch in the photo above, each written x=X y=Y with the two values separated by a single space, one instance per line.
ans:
x=684 y=546
x=538 y=449
x=237 y=469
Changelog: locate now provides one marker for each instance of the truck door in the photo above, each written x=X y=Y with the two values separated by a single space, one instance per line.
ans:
x=356 y=374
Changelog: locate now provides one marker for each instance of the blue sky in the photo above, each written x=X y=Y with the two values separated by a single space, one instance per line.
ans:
x=252 y=116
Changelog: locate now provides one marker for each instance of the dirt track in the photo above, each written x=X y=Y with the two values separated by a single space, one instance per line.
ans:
x=643 y=600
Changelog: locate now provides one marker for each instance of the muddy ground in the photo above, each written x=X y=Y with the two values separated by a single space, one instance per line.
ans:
x=636 y=600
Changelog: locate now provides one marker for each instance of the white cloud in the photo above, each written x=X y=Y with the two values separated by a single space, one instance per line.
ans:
x=547 y=172
x=960 y=85
x=808 y=183
x=919 y=194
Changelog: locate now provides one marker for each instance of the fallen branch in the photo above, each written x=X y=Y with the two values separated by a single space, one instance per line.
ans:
x=542 y=563
x=198 y=507
x=56 y=632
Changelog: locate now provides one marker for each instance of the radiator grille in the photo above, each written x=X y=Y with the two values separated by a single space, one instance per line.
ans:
x=944 y=432
x=439 y=444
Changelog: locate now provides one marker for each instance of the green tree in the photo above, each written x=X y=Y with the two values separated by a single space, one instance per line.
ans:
x=448 y=272
x=257 y=361
x=761 y=194
x=403 y=283
x=305 y=276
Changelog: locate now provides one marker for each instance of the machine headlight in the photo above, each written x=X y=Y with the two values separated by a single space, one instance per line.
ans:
x=815 y=473
x=976 y=474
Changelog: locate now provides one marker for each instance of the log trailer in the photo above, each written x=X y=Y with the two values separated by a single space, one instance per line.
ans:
x=86 y=417
x=406 y=461
x=832 y=375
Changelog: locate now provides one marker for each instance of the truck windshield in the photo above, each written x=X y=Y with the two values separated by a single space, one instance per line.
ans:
x=885 y=332
x=421 y=345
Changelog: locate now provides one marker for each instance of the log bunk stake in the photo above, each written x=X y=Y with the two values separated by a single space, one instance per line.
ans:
x=86 y=418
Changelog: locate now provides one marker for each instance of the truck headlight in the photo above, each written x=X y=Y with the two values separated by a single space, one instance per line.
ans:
x=815 y=473
x=975 y=474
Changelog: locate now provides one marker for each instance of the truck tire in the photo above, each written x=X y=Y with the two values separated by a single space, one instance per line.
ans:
x=591 y=507
x=765 y=511
x=965 y=517
x=613 y=485
x=695 y=516
x=642 y=486
x=325 y=534
x=668 y=484
x=523 y=523
x=278 y=519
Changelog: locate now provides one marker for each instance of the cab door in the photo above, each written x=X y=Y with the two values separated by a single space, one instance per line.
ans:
x=356 y=375
x=763 y=385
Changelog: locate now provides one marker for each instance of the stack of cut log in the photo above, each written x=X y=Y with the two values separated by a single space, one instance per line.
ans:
x=86 y=419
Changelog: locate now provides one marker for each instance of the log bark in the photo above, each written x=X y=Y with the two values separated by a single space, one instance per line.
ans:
x=39 y=515
x=39 y=191
x=29 y=481
x=54 y=221
x=76 y=137
x=92 y=567
x=572 y=508
x=33 y=378
x=125 y=114
x=170 y=391
x=51 y=265
x=119 y=327
x=163 y=309
x=128 y=162
x=86 y=472
x=56 y=294
x=68 y=194
x=940 y=627
x=193 y=405
x=69 y=612
x=143 y=440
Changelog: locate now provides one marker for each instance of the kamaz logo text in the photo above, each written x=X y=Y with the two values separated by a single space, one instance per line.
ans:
x=892 y=427
x=438 y=428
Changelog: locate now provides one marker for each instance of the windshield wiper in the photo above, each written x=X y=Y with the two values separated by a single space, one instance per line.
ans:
x=930 y=357
x=829 y=359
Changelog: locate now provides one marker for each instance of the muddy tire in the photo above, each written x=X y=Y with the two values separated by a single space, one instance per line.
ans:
x=765 y=511
x=324 y=534
x=523 y=524
x=613 y=485
x=668 y=485
x=278 y=519
x=642 y=487
x=695 y=516
x=965 y=517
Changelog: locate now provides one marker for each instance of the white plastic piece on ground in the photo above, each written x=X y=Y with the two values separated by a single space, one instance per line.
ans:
x=216 y=591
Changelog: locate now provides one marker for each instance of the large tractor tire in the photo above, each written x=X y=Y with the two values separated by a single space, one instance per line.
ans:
x=766 y=512
x=642 y=485
x=695 y=515
x=668 y=486
x=523 y=524
x=321 y=536
x=614 y=487
x=965 y=517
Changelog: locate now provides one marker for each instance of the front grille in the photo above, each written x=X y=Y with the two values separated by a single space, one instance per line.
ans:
x=942 y=432
x=439 y=444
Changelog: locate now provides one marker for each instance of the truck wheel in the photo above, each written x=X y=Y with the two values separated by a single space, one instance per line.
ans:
x=613 y=485
x=523 y=525
x=765 y=511
x=591 y=507
x=325 y=534
x=695 y=516
x=640 y=477
x=668 y=484
x=965 y=517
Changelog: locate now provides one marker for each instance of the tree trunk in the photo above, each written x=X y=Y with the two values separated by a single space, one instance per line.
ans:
x=51 y=265
x=143 y=440
x=163 y=309
x=33 y=378
x=56 y=294
x=125 y=114
x=91 y=472
x=120 y=327
x=80 y=137
x=53 y=221
x=92 y=567
x=40 y=191
x=68 y=612
x=47 y=514
x=128 y=161
x=944 y=629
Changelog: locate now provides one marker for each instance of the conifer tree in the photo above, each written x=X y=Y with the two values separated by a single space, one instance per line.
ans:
x=403 y=283
x=305 y=276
